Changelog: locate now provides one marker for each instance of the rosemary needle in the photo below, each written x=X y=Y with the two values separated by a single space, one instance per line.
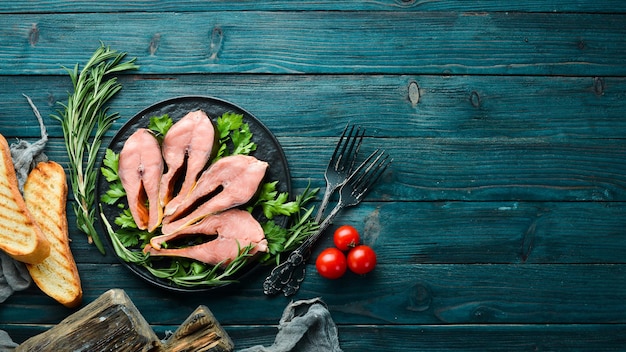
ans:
x=85 y=120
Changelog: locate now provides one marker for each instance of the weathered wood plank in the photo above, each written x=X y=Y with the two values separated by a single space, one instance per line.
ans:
x=200 y=332
x=424 y=169
x=499 y=169
x=486 y=232
x=435 y=338
x=469 y=232
x=445 y=107
x=323 y=42
x=110 y=322
x=467 y=338
x=609 y=6
x=418 y=294
x=510 y=294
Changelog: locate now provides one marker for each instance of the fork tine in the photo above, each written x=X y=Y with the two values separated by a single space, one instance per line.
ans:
x=365 y=179
x=381 y=167
x=336 y=152
x=341 y=164
x=355 y=147
x=347 y=149
x=356 y=174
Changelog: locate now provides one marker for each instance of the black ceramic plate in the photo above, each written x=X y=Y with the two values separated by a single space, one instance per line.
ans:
x=268 y=149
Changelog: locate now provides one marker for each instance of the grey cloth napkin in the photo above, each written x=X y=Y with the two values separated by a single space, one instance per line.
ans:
x=6 y=344
x=14 y=276
x=306 y=326
x=27 y=155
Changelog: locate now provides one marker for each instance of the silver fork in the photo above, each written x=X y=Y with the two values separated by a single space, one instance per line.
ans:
x=341 y=163
x=287 y=276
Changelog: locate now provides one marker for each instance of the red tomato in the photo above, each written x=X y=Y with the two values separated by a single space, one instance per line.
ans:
x=361 y=259
x=331 y=263
x=346 y=237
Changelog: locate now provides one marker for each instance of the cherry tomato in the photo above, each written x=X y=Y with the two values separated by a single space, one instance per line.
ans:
x=361 y=259
x=346 y=237
x=331 y=263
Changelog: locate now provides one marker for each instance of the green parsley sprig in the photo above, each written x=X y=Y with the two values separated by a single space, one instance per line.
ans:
x=235 y=133
x=160 y=125
x=84 y=120
x=285 y=239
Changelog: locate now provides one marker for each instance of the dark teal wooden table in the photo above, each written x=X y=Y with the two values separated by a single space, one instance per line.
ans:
x=502 y=223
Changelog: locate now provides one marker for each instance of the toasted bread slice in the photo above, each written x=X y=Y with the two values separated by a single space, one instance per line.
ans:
x=45 y=193
x=20 y=237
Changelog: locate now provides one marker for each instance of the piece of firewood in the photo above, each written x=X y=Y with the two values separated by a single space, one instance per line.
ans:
x=200 y=332
x=110 y=323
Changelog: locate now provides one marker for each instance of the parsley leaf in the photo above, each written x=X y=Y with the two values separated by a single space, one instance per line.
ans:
x=125 y=220
x=113 y=194
x=109 y=171
x=111 y=161
x=160 y=125
x=228 y=122
x=281 y=240
x=242 y=140
x=127 y=238
x=276 y=237
x=274 y=203
x=235 y=134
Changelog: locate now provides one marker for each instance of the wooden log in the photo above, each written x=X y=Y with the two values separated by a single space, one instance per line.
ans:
x=110 y=323
x=201 y=332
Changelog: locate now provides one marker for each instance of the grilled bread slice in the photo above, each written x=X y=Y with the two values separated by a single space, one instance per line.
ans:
x=20 y=237
x=45 y=193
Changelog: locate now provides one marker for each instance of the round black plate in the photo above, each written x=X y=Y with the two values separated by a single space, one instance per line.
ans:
x=268 y=149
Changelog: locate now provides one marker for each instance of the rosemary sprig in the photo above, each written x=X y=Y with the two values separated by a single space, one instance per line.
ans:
x=196 y=274
x=85 y=120
x=126 y=254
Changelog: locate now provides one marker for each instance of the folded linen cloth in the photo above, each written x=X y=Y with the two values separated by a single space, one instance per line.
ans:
x=6 y=344
x=306 y=326
x=13 y=277
x=27 y=155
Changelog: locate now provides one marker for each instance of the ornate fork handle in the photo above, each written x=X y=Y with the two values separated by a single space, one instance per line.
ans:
x=287 y=276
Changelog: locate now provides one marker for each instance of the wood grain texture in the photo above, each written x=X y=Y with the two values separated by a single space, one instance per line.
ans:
x=110 y=322
x=471 y=232
x=443 y=338
x=609 y=6
x=323 y=42
x=420 y=294
x=500 y=226
x=468 y=338
x=471 y=170
x=461 y=107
